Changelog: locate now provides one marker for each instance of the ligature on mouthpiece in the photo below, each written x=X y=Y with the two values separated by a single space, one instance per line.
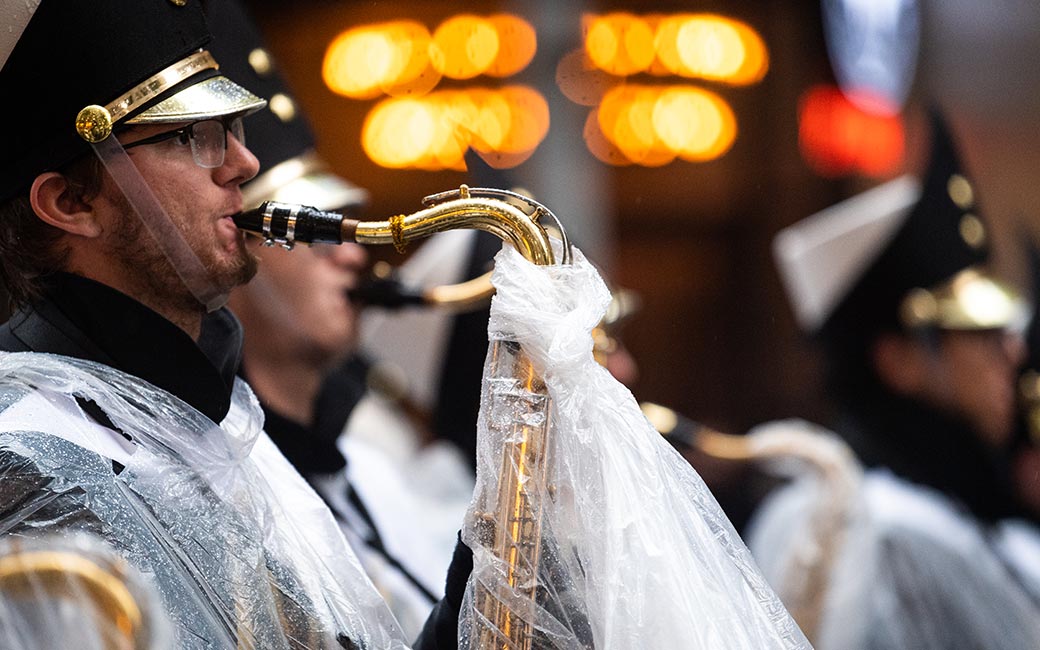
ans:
x=286 y=224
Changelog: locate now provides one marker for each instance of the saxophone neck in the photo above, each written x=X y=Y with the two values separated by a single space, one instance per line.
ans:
x=495 y=211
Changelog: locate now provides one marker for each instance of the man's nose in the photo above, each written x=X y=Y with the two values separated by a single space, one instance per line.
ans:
x=240 y=164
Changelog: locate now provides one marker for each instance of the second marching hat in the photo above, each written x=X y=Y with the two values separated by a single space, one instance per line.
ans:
x=75 y=71
x=290 y=169
x=905 y=255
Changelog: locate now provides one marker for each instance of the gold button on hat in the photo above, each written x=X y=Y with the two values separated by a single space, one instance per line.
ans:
x=961 y=192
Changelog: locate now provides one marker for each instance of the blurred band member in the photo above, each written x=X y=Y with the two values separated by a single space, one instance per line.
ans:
x=921 y=348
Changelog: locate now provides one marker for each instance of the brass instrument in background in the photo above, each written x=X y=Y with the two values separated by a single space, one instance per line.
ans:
x=514 y=530
x=803 y=589
x=91 y=589
x=382 y=288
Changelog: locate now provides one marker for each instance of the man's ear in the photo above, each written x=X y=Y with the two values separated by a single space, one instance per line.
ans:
x=901 y=363
x=55 y=201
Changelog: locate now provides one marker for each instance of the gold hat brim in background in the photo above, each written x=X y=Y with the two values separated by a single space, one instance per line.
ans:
x=971 y=300
x=304 y=180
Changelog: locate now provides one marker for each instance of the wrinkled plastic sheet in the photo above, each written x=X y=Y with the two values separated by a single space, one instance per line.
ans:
x=910 y=570
x=635 y=552
x=240 y=550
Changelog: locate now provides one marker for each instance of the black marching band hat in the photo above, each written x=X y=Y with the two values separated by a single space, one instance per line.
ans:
x=906 y=255
x=73 y=71
x=290 y=169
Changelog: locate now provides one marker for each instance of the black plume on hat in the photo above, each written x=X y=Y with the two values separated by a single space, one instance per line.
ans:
x=75 y=53
x=940 y=236
x=279 y=133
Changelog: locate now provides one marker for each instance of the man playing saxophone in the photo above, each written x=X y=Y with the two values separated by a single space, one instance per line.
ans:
x=122 y=414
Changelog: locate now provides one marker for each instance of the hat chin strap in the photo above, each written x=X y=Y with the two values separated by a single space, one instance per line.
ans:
x=167 y=236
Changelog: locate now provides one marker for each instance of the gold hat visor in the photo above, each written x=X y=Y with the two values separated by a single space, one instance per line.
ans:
x=971 y=300
x=213 y=97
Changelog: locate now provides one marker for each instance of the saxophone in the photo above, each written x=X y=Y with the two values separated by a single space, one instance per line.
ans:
x=513 y=531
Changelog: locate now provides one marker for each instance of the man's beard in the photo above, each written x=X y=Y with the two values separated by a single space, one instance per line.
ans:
x=152 y=273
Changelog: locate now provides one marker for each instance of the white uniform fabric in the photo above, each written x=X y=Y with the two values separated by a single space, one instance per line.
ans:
x=415 y=340
x=636 y=552
x=418 y=503
x=409 y=605
x=910 y=571
x=242 y=552
x=417 y=494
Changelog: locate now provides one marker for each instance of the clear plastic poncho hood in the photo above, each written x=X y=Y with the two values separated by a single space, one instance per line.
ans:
x=636 y=552
x=241 y=551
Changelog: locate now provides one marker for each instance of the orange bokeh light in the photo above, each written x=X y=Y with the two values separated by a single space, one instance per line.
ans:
x=517 y=44
x=696 y=124
x=464 y=46
x=709 y=48
x=357 y=62
x=599 y=145
x=433 y=132
x=705 y=46
x=580 y=80
x=365 y=61
x=529 y=119
x=619 y=43
x=414 y=74
x=651 y=125
x=398 y=133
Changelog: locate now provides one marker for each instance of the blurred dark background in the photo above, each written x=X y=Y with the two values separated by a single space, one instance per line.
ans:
x=715 y=338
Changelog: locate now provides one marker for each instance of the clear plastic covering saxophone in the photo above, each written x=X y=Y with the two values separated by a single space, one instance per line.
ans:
x=513 y=531
x=587 y=529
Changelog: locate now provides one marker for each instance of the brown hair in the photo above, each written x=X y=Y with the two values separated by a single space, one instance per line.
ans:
x=30 y=248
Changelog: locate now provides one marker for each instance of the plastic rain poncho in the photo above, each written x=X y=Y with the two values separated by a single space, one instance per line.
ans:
x=907 y=570
x=636 y=552
x=242 y=553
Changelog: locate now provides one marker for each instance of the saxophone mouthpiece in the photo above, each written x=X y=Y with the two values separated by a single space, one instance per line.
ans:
x=286 y=224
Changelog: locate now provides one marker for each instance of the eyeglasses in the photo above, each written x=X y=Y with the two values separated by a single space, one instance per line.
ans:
x=208 y=139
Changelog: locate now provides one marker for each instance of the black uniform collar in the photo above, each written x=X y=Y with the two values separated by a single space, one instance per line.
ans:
x=926 y=446
x=308 y=452
x=89 y=320
x=312 y=449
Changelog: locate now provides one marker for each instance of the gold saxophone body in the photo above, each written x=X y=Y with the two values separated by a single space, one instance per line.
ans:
x=513 y=531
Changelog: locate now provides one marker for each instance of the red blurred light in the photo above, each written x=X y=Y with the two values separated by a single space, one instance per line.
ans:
x=837 y=138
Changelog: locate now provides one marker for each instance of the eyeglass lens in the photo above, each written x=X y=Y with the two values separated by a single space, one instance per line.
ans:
x=209 y=140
